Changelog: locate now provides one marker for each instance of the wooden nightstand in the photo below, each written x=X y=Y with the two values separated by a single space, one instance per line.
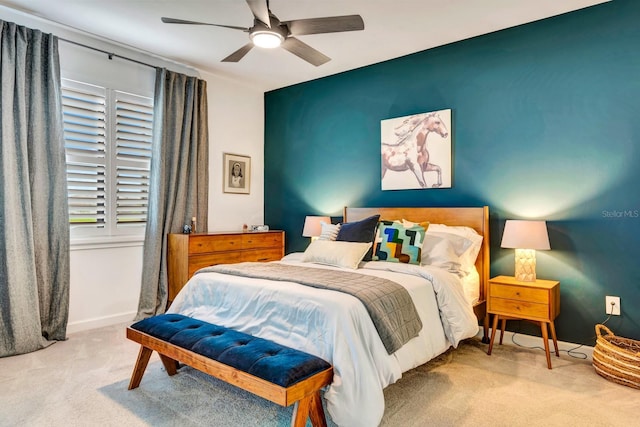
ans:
x=537 y=301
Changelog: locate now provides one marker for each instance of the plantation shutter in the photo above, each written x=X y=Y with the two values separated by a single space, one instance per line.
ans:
x=108 y=145
x=84 y=113
x=133 y=131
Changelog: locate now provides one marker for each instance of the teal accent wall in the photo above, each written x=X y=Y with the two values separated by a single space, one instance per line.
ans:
x=545 y=125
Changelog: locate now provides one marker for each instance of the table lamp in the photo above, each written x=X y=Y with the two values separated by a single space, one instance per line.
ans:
x=525 y=237
x=312 y=227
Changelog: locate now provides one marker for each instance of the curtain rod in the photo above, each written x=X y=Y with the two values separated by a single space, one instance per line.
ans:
x=109 y=54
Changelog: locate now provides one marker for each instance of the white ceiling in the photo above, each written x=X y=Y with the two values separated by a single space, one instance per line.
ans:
x=393 y=28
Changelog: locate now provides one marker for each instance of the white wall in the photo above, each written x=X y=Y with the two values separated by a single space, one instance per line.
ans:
x=105 y=278
x=236 y=125
x=105 y=285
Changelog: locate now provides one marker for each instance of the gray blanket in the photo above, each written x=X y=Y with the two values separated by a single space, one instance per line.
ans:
x=389 y=304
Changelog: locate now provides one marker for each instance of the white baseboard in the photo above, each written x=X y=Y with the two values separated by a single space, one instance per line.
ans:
x=530 y=341
x=99 y=322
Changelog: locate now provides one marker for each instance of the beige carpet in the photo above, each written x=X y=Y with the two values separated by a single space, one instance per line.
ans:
x=83 y=382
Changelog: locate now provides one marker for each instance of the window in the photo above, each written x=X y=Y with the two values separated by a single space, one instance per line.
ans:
x=108 y=144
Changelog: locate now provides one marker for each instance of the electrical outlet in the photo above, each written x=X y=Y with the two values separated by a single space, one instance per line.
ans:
x=612 y=305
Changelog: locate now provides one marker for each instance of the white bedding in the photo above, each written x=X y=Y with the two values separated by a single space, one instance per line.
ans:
x=336 y=326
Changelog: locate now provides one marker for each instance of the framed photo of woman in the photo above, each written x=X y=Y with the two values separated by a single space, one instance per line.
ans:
x=237 y=173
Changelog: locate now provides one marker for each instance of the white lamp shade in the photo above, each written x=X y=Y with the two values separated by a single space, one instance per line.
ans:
x=526 y=237
x=312 y=227
x=524 y=234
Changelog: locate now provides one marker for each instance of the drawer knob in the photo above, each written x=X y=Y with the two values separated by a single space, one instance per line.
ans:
x=517 y=294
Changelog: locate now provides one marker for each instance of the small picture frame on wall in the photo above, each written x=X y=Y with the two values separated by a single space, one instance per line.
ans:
x=236 y=176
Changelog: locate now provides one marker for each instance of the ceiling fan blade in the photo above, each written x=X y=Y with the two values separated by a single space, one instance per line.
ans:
x=182 y=21
x=330 y=24
x=239 y=54
x=260 y=11
x=304 y=51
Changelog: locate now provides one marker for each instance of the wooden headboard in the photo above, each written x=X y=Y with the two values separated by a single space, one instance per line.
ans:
x=476 y=218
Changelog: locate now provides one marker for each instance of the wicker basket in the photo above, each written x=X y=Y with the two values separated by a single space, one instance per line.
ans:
x=617 y=359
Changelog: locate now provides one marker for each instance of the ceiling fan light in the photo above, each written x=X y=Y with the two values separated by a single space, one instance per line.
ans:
x=266 y=39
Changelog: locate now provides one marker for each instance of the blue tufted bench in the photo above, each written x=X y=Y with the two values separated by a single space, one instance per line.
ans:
x=280 y=374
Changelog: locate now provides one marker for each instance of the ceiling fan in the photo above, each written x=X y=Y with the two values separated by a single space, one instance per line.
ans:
x=269 y=32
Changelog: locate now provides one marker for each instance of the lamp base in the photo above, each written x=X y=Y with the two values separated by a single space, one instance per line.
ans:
x=525 y=265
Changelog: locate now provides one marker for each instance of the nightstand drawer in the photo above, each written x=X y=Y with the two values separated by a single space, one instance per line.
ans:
x=517 y=308
x=519 y=293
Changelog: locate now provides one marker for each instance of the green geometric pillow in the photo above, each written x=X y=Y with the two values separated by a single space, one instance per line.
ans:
x=396 y=243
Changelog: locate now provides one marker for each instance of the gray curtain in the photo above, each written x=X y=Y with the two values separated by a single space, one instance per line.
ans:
x=179 y=178
x=34 y=220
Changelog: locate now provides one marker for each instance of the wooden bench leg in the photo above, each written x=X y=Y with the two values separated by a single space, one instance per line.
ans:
x=301 y=412
x=170 y=365
x=141 y=364
x=309 y=407
x=317 y=411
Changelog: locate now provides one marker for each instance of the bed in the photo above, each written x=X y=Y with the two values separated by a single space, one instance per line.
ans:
x=337 y=327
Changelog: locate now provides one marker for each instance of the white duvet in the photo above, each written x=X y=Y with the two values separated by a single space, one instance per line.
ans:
x=336 y=326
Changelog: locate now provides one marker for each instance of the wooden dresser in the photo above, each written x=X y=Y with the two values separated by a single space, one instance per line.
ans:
x=191 y=252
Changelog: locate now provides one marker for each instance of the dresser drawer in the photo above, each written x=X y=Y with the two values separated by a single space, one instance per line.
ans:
x=518 y=308
x=206 y=244
x=197 y=262
x=519 y=293
x=262 y=240
x=263 y=255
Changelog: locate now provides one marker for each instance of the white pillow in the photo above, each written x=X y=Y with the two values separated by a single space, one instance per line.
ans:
x=468 y=256
x=329 y=231
x=442 y=251
x=336 y=253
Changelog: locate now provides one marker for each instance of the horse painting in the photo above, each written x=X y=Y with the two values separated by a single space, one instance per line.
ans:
x=410 y=151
